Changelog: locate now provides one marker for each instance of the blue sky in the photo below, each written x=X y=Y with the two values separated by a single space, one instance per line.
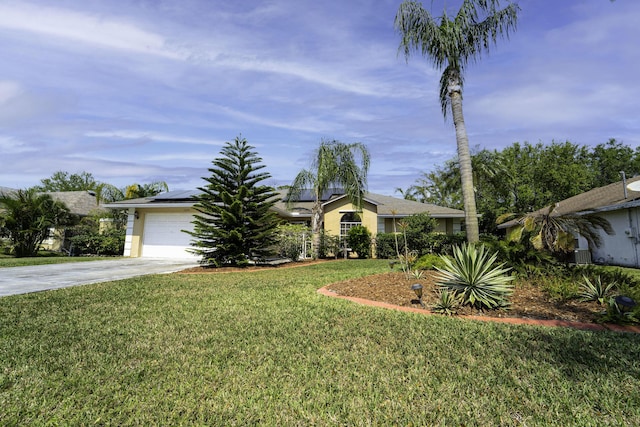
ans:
x=146 y=90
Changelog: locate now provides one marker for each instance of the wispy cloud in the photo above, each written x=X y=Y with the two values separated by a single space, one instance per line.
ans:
x=151 y=136
x=85 y=28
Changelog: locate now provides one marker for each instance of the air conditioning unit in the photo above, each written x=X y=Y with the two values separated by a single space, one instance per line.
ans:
x=582 y=256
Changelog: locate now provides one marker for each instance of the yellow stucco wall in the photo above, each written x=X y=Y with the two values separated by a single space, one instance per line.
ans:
x=334 y=211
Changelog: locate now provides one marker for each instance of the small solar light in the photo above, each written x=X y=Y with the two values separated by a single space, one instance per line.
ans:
x=417 y=288
x=625 y=302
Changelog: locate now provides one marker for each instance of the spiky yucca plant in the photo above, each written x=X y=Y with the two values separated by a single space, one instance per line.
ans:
x=596 y=290
x=473 y=275
x=447 y=303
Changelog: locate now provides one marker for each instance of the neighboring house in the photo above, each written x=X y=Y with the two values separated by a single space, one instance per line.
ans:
x=621 y=207
x=155 y=224
x=80 y=203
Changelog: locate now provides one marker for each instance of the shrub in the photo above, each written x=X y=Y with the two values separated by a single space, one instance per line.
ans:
x=386 y=246
x=290 y=240
x=416 y=231
x=329 y=245
x=443 y=244
x=472 y=274
x=359 y=240
x=429 y=262
x=110 y=242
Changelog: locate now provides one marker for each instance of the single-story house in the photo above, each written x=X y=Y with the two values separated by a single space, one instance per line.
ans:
x=80 y=203
x=618 y=204
x=154 y=223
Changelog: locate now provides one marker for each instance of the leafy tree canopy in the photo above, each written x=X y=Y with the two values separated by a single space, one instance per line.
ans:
x=64 y=181
x=526 y=177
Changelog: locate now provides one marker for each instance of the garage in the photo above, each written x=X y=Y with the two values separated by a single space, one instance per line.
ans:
x=163 y=238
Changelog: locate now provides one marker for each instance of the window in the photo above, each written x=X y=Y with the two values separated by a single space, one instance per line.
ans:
x=348 y=221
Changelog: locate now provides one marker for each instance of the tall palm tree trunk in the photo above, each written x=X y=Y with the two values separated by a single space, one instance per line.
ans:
x=466 y=174
x=316 y=222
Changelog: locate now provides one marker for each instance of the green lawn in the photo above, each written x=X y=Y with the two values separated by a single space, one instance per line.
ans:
x=10 y=261
x=265 y=348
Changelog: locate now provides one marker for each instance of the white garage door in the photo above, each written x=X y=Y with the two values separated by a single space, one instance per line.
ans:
x=163 y=238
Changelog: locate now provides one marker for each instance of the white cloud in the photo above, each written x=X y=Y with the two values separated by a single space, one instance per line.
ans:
x=151 y=136
x=83 y=28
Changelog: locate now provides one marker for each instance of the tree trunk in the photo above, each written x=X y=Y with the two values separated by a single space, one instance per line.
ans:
x=316 y=221
x=466 y=174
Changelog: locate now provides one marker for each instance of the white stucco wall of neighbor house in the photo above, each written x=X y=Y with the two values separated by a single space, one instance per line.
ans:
x=623 y=247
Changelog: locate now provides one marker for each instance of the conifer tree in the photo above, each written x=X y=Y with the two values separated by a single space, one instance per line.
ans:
x=235 y=220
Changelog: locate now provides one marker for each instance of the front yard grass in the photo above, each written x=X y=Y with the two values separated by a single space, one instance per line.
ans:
x=45 y=258
x=265 y=348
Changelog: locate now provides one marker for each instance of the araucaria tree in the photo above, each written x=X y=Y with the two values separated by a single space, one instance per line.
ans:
x=235 y=220
x=450 y=43
x=27 y=217
x=336 y=165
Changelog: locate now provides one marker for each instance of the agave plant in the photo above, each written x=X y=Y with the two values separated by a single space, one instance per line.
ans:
x=447 y=303
x=473 y=275
x=595 y=291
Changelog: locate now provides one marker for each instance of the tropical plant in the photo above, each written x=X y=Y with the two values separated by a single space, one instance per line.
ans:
x=136 y=190
x=359 y=240
x=335 y=166
x=27 y=217
x=617 y=313
x=235 y=220
x=556 y=233
x=595 y=290
x=450 y=44
x=447 y=303
x=472 y=274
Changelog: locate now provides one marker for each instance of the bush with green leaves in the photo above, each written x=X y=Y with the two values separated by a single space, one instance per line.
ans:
x=473 y=275
x=110 y=242
x=290 y=240
x=416 y=232
x=429 y=262
x=329 y=245
x=386 y=246
x=443 y=244
x=359 y=240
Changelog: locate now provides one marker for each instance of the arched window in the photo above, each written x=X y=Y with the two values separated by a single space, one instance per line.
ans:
x=348 y=220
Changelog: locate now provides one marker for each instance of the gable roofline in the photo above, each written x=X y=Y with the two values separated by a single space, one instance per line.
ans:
x=607 y=198
x=387 y=206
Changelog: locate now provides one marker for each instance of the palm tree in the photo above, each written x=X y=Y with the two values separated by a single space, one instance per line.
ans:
x=136 y=190
x=335 y=166
x=556 y=233
x=27 y=217
x=450 y=44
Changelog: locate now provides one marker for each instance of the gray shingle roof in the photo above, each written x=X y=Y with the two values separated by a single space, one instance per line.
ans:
x=78 y=202
x=609 y=197
x=387 y=206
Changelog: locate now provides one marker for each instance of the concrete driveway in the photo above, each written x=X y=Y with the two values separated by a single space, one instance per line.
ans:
x=22 y=280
